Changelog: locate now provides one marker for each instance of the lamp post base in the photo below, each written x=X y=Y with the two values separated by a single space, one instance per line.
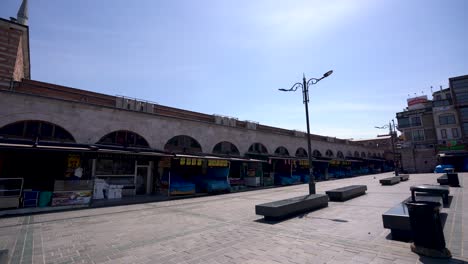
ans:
x=311 y=187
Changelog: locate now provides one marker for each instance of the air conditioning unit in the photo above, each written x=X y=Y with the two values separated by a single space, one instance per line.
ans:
x=140 y=106
x=119 y=102
x=251 y=125
x=225 y=121
x=129 y=104
x=299 y=133
x=218 y=119
x=232 y=122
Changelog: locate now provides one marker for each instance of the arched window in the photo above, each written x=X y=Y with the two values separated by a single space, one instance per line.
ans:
x=35 y=129
x=226 y=148
x=258 y=148
x=282 y=151
x=301 y=153
x=340 y=155
x=183 y=144
x=363 y=154
x=316 y=153
x=356 y=154
x=124 y=138
x=369 y=154
x=349 y=153
x=329 y=153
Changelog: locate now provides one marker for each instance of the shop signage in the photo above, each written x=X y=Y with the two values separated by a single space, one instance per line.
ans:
x=340 y=162
x=416 y=102
x=71 y=198
x=218 y=163
x=451 y=147
x=191 y=162
x=165 y=162
x=441 y=108
x=73 y=162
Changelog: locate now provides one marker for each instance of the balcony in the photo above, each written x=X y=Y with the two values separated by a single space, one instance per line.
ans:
x=440 y=103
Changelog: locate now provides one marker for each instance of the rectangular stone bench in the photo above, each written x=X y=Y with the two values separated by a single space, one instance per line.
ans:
x=346 y=193
x=289 y=207
x=403 y=177
x=443 y=180
x=390 y=181
x=453 y=179
x=397 y=218
x=431 y=189
x=3 y=255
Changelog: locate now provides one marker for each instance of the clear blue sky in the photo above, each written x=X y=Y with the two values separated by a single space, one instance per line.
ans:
x=230 y=57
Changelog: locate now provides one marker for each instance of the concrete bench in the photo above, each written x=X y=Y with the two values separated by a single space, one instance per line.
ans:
x=285 y=208
x=3 y=255
x=397 y=218
x=390 y=181
x=403 y=177
x=346 y=193
x=431 y=189
x=453 y=179
x=443 y=180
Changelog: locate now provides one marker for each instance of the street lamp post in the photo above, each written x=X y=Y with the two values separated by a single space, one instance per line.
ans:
x=392 y=131
x=305 y=95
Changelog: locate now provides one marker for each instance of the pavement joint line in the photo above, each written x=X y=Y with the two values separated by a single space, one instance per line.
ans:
x=242 y=228
x=151 y=205
x=20 y=242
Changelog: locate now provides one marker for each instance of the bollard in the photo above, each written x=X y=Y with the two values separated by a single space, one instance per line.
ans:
x=428 y=235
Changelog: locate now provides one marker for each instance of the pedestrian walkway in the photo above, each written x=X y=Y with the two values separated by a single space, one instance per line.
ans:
x=225 y=229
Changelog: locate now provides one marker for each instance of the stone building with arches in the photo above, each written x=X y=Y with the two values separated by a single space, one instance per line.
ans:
x=63 y=140
x=126 y=145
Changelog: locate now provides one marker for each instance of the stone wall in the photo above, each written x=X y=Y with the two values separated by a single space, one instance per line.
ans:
x=88 y=123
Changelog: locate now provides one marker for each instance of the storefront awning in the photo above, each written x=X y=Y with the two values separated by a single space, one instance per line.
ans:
x=67 y=146
x=453 y=154
x=371 y=159
x=216 y=158
x=43 y=146
x=12 y=145
x=353 y=160
x=285 y=157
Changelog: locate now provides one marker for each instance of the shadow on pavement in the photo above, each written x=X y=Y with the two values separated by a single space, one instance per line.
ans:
x=300 y=216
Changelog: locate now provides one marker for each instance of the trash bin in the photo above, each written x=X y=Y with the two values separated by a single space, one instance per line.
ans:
x=426 y=225
x=453 y=179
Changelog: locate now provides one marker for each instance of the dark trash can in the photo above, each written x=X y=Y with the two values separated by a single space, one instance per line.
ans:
x=453 y=179
x=426 y=225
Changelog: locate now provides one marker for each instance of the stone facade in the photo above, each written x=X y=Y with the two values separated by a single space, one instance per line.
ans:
x=89 y=122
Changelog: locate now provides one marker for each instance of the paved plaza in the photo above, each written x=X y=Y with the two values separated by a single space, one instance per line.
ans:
x=225 y=229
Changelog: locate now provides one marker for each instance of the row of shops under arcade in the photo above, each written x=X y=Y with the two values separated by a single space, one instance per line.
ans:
x=46 y=174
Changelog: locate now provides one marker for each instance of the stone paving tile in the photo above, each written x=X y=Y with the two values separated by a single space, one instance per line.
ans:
x=225 y=229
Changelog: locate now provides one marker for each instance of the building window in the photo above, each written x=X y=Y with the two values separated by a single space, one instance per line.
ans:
x=227 y=148
x=418 y=135
x=438 y=97
x=446 y=119
x=124 y=138
x=258 y=148
x=282 y=151
x=403 y=122
x=448 y=95
x=183 y=144
x=34 y=129
x=455 y=132
x=415 y=121
x=443 y=132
